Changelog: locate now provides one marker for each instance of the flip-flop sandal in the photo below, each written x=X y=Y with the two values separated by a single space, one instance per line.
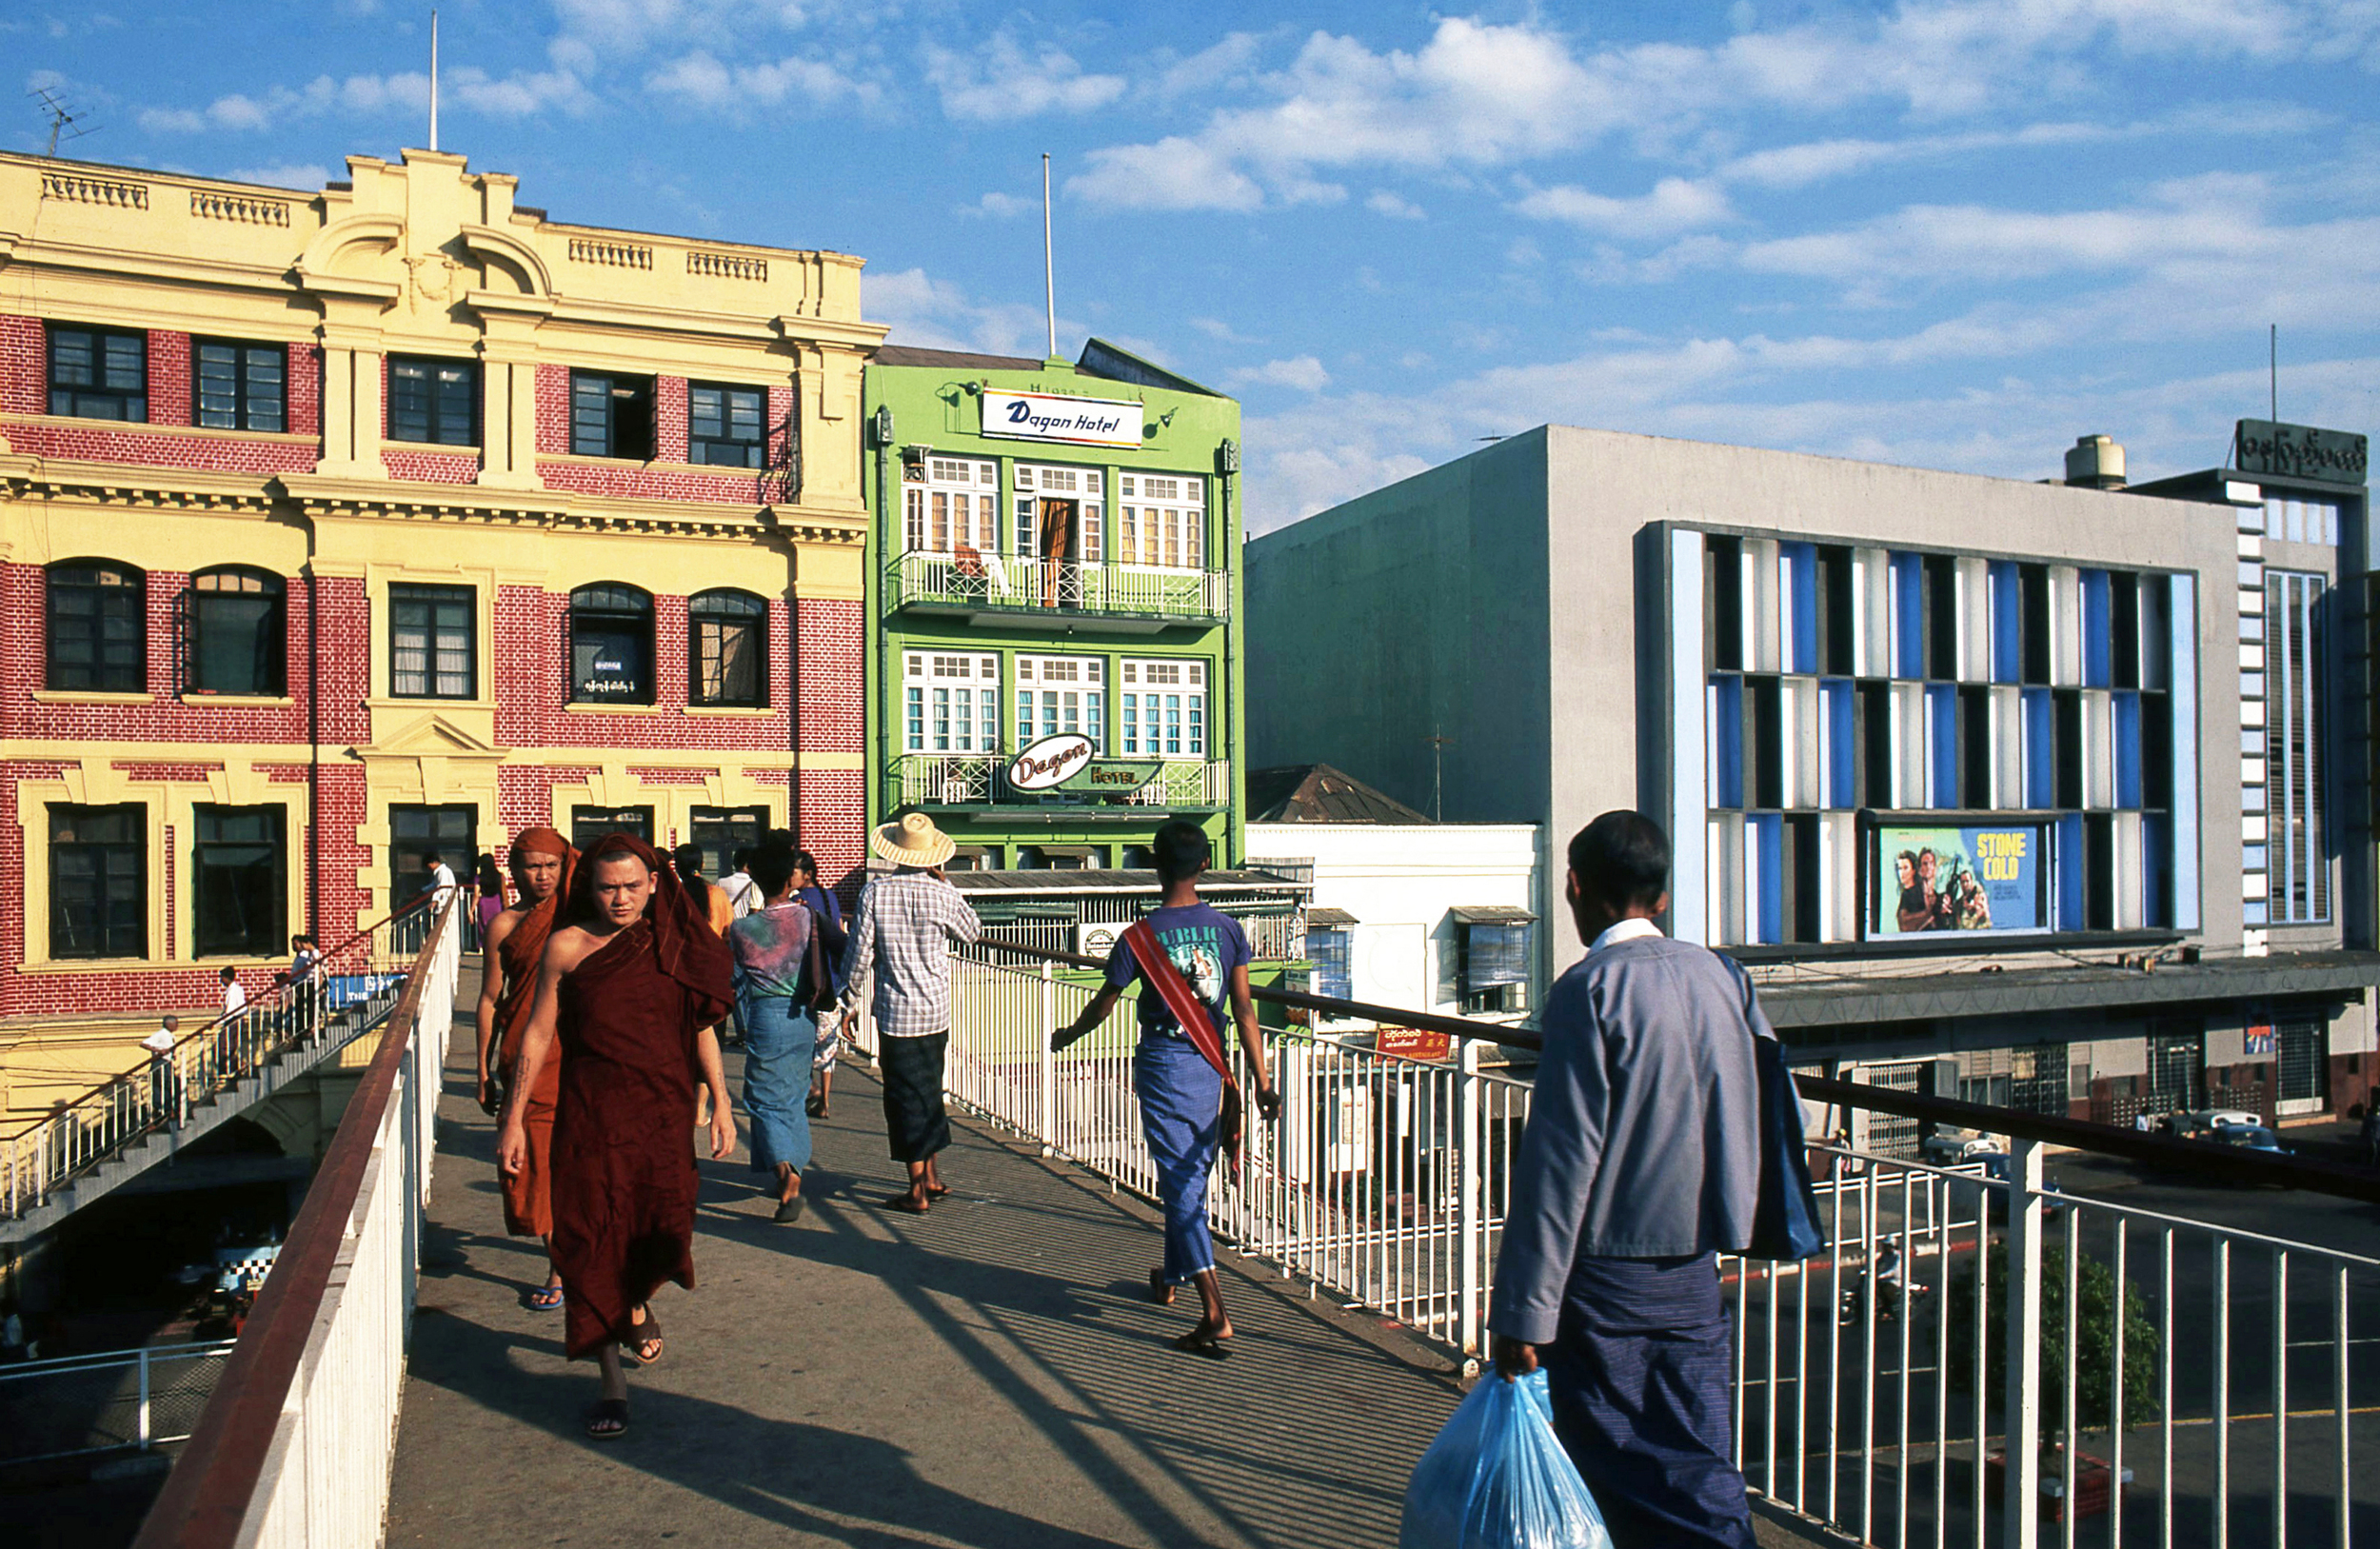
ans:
x=789 y=1211
x=907 y=1205
x=938 y=1191
x=642 y=1337
x=814 y=1107
x=544 y=1298
x=1199 y=1342
x=607 y=1418
x=1161 y=1290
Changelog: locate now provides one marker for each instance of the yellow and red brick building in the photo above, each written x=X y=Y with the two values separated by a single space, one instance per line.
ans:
x=338 y=526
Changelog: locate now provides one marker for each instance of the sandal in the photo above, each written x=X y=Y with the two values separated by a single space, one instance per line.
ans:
x=1161 y=1290
x=789 y=1211
x=908 y=1204
x=644 y=1345
x=816 y=1107
x=1202 y=1340
x=607 y=1418
x=544 y=1298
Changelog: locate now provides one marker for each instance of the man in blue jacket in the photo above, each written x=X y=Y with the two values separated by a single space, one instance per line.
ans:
x=1641 y=1161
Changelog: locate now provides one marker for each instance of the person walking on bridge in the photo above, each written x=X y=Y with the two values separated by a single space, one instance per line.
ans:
x=901 y=934
x=1193 y=960
x=631 y=989
x=515 y=943
x=1641 y=1161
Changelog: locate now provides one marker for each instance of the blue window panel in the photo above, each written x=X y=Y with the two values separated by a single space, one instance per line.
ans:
x=1841 y=777
x=2040 y=749
x=1942 y=746
x=2008 y=623
x=1801 y=577
x=2098 y=631
x=2126 y=749
x=1768 y=837
x=1909 y=616
x=2069 y=857
x=2252 y=912
x=2157 y=871
x=2252 y=858
x=1727 y=741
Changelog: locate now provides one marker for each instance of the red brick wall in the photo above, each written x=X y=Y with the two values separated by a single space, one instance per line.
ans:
x=833 y=665
x=24 y=365
x=636 y=481
x=432 y=467
x=168 y=378
x=640 y=481
x=553 y=409
x=831 y=818
x=305 y=390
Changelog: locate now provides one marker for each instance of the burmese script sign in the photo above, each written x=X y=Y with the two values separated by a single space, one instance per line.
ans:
x=2300 y=451
x=1069 y=762
x=1046 y=416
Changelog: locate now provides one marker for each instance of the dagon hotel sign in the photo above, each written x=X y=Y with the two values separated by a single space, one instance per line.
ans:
x=1045 y=416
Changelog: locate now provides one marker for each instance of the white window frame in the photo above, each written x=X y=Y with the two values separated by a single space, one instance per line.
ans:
x=2298 y=874
x=1160 y=521
x=1086 y=486
x=1177 y=726
x=956 y=482
x=1045 y=686
x=950 y=697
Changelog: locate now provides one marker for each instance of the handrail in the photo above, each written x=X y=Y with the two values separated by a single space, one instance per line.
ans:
x=2233 y=1165
x=206 y=1498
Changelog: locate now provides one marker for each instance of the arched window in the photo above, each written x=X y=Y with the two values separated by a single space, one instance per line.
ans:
x=239 y=633
x=728 y=649
x=611 y=645
x=98 y=628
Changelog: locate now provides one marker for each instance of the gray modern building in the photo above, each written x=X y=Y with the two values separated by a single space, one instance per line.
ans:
x=2053 y=794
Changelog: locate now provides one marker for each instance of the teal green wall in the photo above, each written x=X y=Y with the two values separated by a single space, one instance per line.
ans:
x=1184 y=432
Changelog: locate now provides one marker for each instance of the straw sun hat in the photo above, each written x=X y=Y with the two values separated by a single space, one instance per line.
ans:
x=912 y=840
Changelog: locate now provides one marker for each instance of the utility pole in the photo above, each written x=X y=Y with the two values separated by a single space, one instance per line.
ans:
x=1437 y=742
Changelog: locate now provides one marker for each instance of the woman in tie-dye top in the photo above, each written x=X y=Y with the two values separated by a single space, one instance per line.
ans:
x=779 y=974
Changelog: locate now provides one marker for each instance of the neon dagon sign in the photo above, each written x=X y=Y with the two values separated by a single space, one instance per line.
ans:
x=1069 y=762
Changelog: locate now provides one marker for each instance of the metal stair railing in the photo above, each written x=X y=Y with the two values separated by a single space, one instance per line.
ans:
x=351 y=992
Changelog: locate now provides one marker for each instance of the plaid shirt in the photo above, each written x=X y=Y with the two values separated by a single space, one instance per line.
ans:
x=902 y=935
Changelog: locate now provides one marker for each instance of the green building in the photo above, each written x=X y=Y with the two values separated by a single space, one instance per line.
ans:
x=1057 y=661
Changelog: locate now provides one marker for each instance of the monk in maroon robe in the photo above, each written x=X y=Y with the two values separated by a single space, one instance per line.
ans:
x=515 y=942
x=632 y=986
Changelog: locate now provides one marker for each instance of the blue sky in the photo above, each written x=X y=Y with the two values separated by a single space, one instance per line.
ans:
x=1946 y=232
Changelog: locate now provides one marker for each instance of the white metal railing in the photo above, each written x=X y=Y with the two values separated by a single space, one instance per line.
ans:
x=2041 y=1367
x=982 y=780
x=108 y=1402
x=348 y=994
x=294 y=1447
x=1272 y=937
x=975 y=579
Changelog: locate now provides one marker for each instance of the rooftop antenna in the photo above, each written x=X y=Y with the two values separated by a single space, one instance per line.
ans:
x=433 y=79
x=2273 y=365
x=1437 y=742
x=65 y=124
x=1050 y=262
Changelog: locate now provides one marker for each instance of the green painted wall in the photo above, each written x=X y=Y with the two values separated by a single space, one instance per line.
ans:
x=1184 y=436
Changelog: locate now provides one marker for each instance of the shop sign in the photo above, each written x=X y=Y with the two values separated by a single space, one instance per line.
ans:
x=1046 y=416
x=2299 y=452
x=1964 y=880
x=1068 y=761
x=1414 y=1043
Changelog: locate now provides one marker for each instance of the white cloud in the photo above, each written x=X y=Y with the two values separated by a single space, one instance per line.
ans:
x=1215 y=328
x=699 y=79
x=1303 y=372
x=938 y=314
x=1209 y=68
x=1175 y=174
x=518 y=95
x=1675 y=206
x=1395 y=205
x=997 y=207
x=307 y=175
x=1002 y=82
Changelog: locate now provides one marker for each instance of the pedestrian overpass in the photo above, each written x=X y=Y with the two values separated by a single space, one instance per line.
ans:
x=986 y=1375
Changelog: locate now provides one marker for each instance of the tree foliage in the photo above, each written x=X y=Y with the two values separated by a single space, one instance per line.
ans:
x=2095 y=1338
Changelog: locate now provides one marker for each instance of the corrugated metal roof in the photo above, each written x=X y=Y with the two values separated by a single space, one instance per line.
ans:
x=1318 y=793
x=955 y=359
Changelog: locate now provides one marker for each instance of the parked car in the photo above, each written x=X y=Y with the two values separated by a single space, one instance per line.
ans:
x=2252 y=1138
x=2203 y=1123
x=1949 y=1146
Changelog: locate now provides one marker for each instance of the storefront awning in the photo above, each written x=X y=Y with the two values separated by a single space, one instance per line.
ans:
x=1841 y=998
x=1492 y=914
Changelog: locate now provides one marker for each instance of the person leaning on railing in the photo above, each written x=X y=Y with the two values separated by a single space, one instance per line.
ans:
x=1640 y=1162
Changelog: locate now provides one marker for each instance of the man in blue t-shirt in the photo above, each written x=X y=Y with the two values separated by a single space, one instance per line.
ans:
x=1181 y=1092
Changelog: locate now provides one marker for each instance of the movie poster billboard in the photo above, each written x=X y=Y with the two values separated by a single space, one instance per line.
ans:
x=1966 y=881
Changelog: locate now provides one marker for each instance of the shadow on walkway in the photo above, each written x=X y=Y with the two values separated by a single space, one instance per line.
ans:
x=987 y=1375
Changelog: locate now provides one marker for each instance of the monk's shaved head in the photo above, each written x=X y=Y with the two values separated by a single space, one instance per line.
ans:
x=623 y=887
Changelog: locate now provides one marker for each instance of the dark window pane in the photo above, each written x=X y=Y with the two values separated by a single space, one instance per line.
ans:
x=97 y=628
x=722 y=830
x=725 y=426
x=433 y=401
x=590 y=415
x=240 y=638
x=97 y=374
x=98 y=881
x=729 y=639
x=240 y=874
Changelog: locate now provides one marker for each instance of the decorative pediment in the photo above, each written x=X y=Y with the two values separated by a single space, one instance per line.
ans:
x=431 y=736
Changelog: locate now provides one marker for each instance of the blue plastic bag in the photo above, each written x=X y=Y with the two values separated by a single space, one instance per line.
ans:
x=1496 y=1478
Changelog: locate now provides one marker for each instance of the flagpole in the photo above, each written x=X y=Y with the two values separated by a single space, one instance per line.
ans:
x=1050 y=262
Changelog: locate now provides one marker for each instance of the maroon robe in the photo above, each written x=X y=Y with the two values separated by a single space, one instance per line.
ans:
x=624 y=1173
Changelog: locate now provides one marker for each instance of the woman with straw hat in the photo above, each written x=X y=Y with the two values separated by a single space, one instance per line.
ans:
x=901 y=933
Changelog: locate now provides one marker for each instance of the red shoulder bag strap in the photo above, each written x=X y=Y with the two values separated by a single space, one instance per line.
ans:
x=1175 y=991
